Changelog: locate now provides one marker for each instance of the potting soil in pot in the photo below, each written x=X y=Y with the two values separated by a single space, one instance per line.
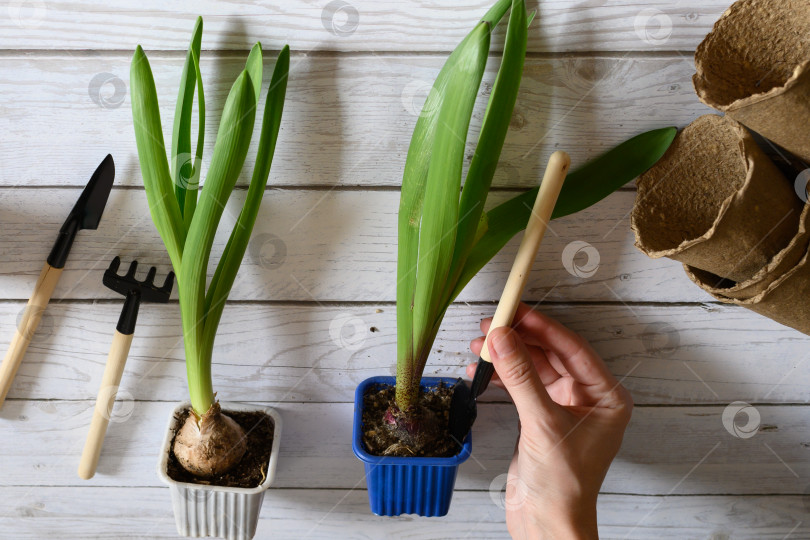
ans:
x=251 y=470
x=380 y=439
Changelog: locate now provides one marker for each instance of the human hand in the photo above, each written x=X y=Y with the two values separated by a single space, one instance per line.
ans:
x=573 y=414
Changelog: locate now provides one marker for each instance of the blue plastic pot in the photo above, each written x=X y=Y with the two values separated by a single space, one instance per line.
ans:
x=403 y=485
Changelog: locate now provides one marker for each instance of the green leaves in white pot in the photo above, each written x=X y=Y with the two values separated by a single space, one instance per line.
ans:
x=188 y=223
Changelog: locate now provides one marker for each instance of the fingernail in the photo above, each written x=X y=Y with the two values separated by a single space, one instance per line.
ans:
x=504 y=344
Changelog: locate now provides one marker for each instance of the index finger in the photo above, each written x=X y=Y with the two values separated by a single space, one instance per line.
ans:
x=576 y=355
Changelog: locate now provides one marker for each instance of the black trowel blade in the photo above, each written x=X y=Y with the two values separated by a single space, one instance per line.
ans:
x=86 y=213
x=93 y=199
x=462 y=411
x=463 y=408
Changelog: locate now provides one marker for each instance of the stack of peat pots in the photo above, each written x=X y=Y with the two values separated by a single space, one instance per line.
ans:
x=715 y=201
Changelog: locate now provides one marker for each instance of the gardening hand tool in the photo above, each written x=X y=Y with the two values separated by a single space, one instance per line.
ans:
x=463 y=404
x=86 y=214
x=135 y=292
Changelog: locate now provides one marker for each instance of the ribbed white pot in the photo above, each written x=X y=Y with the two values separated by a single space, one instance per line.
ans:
x=223 y=512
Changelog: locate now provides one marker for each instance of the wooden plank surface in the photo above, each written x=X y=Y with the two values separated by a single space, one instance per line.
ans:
x=72 y=513
x=666 y=451
x=312 y=312
x=347 y=120
x=316 y=246
x=356 y=25
x=292 y=353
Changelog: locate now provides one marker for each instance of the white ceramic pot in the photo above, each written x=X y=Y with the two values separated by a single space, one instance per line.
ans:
x=223 y=512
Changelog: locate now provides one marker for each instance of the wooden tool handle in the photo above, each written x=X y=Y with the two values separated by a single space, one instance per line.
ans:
x=105 y=401
x=553 y=179
x=43 y=290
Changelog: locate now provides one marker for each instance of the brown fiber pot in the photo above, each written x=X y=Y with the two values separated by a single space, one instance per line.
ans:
x=755 y=66
x=785 y=299
x=783 y=262
x=714 y=201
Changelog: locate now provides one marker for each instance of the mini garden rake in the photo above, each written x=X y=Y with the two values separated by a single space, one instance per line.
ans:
x=135 y=292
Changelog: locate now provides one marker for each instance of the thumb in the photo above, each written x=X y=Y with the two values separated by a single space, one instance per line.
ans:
x=514 y=365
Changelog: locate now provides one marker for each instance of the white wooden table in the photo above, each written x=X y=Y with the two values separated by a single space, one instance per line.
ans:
x=312 y=311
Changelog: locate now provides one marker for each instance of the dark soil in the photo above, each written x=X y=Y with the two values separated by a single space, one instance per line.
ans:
x=251 y=470
x=381 y=439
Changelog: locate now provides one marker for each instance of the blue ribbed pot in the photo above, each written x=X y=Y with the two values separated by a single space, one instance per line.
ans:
x=401 y=485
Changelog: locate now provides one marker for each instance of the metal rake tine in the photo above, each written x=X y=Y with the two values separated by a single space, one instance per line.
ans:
x=167 y=285
x=132 y=267
x=114 y=264
x=150 y=277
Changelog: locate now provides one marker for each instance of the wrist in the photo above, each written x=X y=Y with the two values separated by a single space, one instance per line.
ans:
x=576 y=529
x=569 y=521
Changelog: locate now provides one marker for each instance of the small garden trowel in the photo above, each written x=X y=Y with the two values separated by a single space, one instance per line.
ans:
x=463 y=404
x=86 y=214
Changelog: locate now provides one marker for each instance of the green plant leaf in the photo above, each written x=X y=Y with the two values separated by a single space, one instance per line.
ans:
x=410 y=209
x=583 y=187
x=240 y=236
x=437 y=233
x=157 y=179
x=496 y=12
x=254 y=67
x=182 y=166
x=188 y=230
x=230 y=150
x=190 y=195
x=497 y=117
